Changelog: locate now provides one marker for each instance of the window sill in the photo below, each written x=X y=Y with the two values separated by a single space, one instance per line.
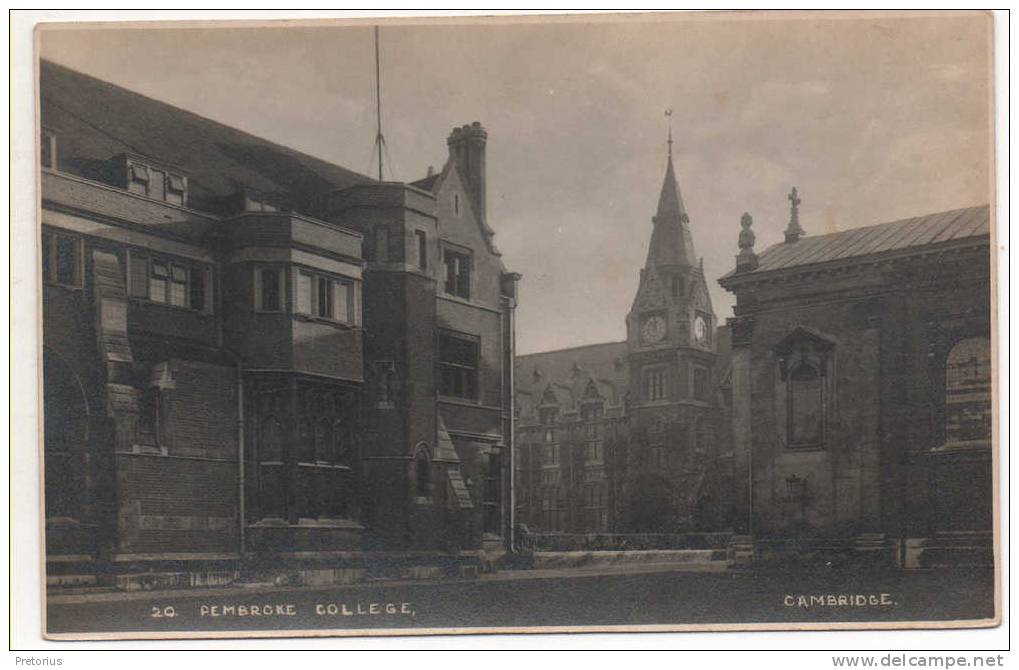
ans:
x=967 y=445
x=135 y=300
x=804 y=447
x=459 y=401
x=66 y=287
x=339 y=325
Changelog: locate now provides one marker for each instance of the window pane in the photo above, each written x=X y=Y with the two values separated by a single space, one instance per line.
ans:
x=157 y=283
x=968 y=391
x=46 y=249
x=157 y=184
x=324 y=306
x=178 y=286
x=303 y=293
x=271 y=294
x=341 y=301
x=198 y=289
x=422 y=249
x=139 y=280
x=67 y=261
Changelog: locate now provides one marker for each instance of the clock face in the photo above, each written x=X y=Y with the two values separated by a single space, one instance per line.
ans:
x=653 y=329
x=700 y=329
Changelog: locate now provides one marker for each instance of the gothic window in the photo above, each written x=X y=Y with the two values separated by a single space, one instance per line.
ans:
x=322 y=480
x=805 y=406
x=654 y=383
x=968 y=392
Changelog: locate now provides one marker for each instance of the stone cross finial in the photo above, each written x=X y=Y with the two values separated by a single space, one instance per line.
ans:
x=747 y=259
x=794 y=232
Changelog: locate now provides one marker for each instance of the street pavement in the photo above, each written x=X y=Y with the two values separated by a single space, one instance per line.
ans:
x=648 y=595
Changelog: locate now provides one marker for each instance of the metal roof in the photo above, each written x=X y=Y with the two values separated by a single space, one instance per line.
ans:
x=920 y=231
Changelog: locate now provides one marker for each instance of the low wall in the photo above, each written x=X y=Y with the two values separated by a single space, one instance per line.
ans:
x=621 y=541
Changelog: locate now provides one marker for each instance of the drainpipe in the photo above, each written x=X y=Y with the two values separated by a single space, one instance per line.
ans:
x=511 y=430
x=241 y=498
x=241 y=484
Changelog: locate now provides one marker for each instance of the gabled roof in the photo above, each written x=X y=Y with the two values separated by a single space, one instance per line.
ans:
x=569 y=372
x=895 y=236
x=96 y=121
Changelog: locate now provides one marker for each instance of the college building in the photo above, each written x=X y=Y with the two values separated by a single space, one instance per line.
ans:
x=861 y=389
x=632 y=437
x=257 y=363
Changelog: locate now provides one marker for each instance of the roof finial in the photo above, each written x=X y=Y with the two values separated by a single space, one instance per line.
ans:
x=794 y=232
x=747 y=259
x=668 y=115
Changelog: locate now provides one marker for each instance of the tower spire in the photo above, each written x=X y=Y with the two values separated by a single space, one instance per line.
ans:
x=671 y=241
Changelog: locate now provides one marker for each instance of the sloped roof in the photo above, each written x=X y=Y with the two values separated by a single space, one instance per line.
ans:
x=920 y=231
x=671 y=241
x=567 y=373
x=96 y=120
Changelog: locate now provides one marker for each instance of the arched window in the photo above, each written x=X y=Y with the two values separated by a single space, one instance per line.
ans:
x=968 y=392
x=422 y=474
x=805 y=410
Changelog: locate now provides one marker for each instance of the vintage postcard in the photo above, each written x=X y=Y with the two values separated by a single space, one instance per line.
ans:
x=673 y=321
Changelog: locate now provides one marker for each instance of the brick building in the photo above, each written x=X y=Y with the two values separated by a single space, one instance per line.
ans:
x=255 y=358
x=631 y=436
x=861 y=388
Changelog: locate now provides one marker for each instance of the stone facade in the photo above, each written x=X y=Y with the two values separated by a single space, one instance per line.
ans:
x=861 y=387
x=630 y=437
x=258 y=360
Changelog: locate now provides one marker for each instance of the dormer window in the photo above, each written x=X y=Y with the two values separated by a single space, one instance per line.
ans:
x=155 y=182
x=256 y=202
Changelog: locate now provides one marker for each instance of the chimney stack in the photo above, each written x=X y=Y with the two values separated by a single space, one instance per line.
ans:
x=467 y=150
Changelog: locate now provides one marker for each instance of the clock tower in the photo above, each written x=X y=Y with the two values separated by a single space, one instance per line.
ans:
x=671 y=352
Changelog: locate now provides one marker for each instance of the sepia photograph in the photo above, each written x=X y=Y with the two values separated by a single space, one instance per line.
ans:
x=678 y=321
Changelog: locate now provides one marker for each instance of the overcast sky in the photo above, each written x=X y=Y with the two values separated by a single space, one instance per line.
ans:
x=872 y=119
